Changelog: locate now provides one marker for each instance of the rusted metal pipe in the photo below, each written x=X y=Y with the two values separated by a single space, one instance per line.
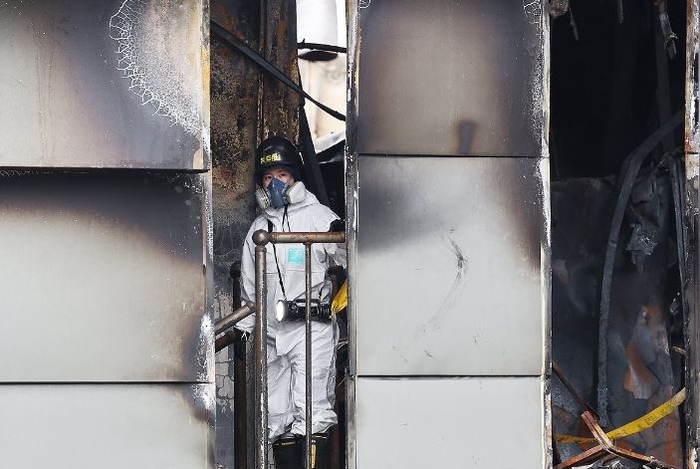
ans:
x=230 y=320
x=227 y=339
x=261 y=432
x=309 y=402
x=567 y=384
x=306 y=237
x=605 y=448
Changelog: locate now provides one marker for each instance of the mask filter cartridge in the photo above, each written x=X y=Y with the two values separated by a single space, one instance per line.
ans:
x=277 y=192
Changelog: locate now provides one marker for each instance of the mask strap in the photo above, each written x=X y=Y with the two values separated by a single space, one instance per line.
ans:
x=285 y=217
x=274 y=249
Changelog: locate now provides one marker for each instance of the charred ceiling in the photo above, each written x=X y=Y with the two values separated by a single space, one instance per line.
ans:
x=608 y=81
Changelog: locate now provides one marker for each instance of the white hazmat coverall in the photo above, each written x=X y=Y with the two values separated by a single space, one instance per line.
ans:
x=286 y=348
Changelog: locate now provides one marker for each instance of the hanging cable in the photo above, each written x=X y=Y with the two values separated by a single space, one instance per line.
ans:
x=269 y=68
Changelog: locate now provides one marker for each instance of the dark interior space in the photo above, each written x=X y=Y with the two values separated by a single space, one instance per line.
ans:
x=617 y=76
x=605 y=82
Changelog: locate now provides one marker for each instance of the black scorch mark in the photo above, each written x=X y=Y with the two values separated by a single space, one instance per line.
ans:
x=433 y=322
x=454 y=292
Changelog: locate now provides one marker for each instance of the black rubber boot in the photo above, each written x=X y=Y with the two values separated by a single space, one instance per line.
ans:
x=319 y=451
x=288 y=453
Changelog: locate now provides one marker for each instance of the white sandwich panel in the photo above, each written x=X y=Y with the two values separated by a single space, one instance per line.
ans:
x=452 y=266
x=105 y=84
x=449 y=77
x=104 y=278
x=477 y=423
x=109 y=426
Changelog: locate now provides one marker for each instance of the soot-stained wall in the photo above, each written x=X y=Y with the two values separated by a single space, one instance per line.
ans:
x=106 y=83
x=448 y=204
x=107 y=320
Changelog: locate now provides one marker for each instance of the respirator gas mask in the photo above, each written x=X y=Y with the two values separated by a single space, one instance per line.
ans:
x=278 y=194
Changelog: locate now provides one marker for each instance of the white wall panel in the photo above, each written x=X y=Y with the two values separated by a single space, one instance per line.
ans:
x=449 y=77
x=107 y=426
x=104 y=278
x=476 y=423
x=104 y=84
x=451 y=274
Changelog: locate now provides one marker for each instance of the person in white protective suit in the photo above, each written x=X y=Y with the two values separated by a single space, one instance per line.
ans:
x=286 y=205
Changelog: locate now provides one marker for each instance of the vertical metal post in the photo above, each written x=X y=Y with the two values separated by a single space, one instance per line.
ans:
x=261 y=432
x=309 y=402
x=261 y=238
x=240 y=386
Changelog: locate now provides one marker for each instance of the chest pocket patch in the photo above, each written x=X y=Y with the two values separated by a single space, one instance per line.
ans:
x=295 y=256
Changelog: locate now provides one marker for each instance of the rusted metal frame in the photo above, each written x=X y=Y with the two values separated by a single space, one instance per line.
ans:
x=352 y=211
x=261 y=238
x=241 y=437
x=261 y=411
x=230 y=320
x=225 y=340
x=630 y=168
x=587 y=457
x=240 y=407
x=567 y=384
x=606 y=447
x=600 y=435
x=306 y=237
x=309 y=382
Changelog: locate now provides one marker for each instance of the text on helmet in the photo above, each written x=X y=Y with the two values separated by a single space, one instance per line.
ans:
x=272 y=157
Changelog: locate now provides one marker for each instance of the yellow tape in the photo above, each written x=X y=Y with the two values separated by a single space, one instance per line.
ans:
x=635 y=426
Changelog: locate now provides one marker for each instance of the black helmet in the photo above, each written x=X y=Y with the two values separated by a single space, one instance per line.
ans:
x=277 y=151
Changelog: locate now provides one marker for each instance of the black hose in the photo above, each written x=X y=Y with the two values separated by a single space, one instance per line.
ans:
x=322 y=47
x=224 y=34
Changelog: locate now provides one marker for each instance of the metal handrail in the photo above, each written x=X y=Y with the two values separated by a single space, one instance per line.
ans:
x=261 y=238
x=241 y=313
